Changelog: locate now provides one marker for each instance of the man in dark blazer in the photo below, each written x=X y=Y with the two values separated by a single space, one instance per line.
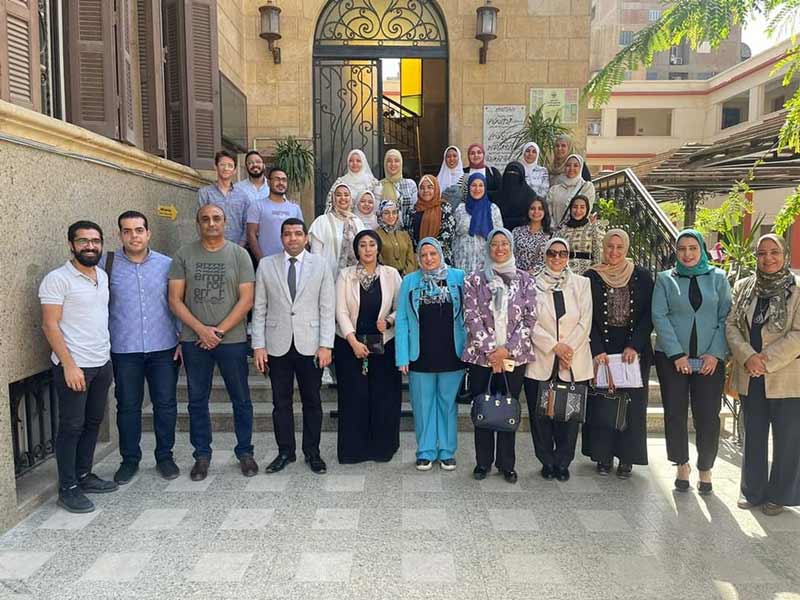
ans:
x=293 y=333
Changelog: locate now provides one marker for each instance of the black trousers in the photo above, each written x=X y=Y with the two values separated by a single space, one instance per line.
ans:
x=781 y=484
x=369 y=405
x=602 y=444
x=704 y=393
x=553 y=441
x=485 y=444
x=282 y=372
x=79 y=417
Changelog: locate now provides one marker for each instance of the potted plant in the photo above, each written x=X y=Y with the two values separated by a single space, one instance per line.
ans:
x=540 y=129
x=296 y=160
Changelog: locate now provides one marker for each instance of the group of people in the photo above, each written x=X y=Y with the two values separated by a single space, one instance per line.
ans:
x=437 y=289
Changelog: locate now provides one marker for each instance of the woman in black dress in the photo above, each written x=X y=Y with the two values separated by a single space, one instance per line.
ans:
x=621 y=295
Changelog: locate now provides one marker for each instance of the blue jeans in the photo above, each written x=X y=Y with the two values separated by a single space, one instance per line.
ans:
x=232 y=362
x=130 y=372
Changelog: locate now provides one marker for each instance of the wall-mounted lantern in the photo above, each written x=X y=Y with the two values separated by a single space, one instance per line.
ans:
x=271 y=28
x=487 y=28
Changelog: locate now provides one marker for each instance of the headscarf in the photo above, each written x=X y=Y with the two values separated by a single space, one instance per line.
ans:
x=389 y=183
x=448 y=176
x=548 y=280
x=346 y=256
x=431 y=223
x=530 y=166
x=364 y=178
x=516 y=195
x=572 y=221
x=365 y=278
x=431 y=279
x=775 y=286
x=332 y=208
x=383 y=206
x=479 y=210
x=482 y=164
x=557 y=166
x=370 y=220
x=617 y=276
x=702 y=267
x=572 y=181
x=499 y=275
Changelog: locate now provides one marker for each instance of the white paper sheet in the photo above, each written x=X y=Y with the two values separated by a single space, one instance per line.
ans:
x=624 y=375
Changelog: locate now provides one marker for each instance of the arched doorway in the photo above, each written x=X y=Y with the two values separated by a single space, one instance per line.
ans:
x=358 y=46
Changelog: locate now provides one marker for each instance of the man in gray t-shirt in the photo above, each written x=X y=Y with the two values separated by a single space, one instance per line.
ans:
x=211 y=288
x=265 y=216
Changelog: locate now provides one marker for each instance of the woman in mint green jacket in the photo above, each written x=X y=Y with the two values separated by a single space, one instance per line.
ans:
x=690 y=304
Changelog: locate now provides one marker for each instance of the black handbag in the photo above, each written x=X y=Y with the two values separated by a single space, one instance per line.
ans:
x=562 y=401
x=497 y=412
x=608 y=407
x=464 y=396
x=373 y=342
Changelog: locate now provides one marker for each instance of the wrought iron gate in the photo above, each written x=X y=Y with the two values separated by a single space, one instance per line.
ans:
x=347 y=116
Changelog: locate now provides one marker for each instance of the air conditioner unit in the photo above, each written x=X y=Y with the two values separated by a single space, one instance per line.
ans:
x=676 y=60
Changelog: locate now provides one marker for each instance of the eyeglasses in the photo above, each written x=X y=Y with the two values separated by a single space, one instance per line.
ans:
x=500 y=245
x=87 y=241
x=557 y=253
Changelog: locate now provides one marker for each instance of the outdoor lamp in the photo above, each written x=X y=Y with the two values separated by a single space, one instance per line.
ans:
x=271 y=28
x=487 y=28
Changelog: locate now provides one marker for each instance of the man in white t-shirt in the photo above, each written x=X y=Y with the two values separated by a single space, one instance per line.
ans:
x=74 y=301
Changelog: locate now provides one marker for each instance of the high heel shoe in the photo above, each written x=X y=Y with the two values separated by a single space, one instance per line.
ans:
x=681 y=485
x=705 y=488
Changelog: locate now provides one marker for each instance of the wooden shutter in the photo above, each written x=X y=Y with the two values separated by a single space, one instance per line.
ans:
x=202 y=76
x=93 y=102
x=19 y=53
x=151 y=72
x=175 y=74
x=125 y=66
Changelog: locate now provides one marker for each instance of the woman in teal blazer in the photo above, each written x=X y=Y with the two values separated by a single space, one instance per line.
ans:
x=429 y=341
x=689 y=308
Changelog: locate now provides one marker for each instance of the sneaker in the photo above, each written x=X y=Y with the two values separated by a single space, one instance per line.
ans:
x=448 y=464
x=624 y=471
x=92 y=484
x=168 y=469
x=423 y=464
x=126 y=472
x=73 y=500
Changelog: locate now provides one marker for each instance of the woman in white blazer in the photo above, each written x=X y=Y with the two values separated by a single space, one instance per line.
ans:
x=368 y=381
x=331 y=234
x=561 y=334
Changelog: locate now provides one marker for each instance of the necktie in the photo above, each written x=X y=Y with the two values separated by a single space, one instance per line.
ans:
x=292 y=278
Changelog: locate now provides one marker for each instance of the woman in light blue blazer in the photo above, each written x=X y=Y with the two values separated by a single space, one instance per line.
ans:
x=429 y=340
x=690 y=305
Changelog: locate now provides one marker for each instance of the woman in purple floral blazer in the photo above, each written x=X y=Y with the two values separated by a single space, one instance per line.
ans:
x=500 y=312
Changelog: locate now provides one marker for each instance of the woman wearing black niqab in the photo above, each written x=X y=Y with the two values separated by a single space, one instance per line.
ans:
x=515 y=196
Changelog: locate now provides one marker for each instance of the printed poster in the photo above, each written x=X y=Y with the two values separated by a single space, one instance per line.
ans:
x=500 y=122
x=561 y=101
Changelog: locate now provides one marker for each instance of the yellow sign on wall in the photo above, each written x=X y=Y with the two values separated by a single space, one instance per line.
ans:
x=168 y=211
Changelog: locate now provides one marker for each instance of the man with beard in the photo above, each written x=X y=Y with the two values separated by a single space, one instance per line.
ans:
x=265 y=216
x=144 y=345
x=255 y=186
x=230 y=196
x=74 y=301
x=211 y=288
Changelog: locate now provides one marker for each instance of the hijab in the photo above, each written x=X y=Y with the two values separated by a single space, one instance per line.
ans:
x=516 y=195
x=615 y=276
x=499 y=275
x=572 y=181
x=361 y=179
x=448 y=176
x=557 y=166
x=481 y=166
x=389 y=183
x=431 y=279
x=386 y=205
x=548 y=280
x=572 y=222
x=702 y=267
x=332 y=209
x=774 y=286
x=431 y=223
x=529 y=167
x=365 y=278
x=480 y=211
x=370 y=220
x=344 y=249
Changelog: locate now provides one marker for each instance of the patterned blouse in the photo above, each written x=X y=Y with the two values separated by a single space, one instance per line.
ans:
x=529 y=247
x=406 y=198
x=585 y=244
x=446 y=231
x=469 y=250
x=539 y=181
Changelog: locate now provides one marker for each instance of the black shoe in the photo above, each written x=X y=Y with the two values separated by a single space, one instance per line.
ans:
x=603 y=469
x=200 y=469
x=279 y=464
x=624 y=471
x=126 y=472
x=73 y=500
x=423 y=464
x=510 y=476
x=317 y=464
x=562 y=473
x=704 y=488
x=248 y=465
x=92 y=484
x=682 y=485
x=168 y=469
x=549 y=472
x=479 y=472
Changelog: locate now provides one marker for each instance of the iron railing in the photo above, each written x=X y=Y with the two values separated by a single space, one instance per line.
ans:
x=34 y=413
x=401 y=131
x=633 y=209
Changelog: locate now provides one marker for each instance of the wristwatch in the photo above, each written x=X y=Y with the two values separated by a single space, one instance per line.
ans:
x=219 y=334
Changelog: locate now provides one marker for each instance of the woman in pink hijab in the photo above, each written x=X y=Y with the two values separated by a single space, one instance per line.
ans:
x=476 y=156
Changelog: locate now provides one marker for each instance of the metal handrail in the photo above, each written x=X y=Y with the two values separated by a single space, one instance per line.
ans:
x=404 y=111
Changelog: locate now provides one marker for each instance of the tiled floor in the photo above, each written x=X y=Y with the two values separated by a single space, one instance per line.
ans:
x=380 y=531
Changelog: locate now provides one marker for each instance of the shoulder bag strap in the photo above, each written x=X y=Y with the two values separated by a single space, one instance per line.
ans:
x=109 y=266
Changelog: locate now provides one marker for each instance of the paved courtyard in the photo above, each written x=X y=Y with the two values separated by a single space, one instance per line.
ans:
x=380 y=531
